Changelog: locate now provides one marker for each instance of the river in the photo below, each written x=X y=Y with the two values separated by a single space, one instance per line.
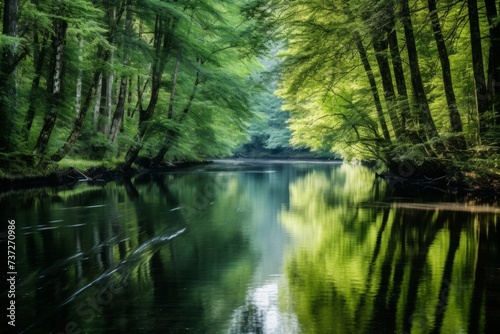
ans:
x=252 y=247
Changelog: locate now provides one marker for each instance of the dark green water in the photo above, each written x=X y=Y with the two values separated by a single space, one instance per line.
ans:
x=252 y=248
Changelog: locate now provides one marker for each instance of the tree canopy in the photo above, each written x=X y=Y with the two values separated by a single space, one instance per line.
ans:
x=398 y=81
x=126 y=79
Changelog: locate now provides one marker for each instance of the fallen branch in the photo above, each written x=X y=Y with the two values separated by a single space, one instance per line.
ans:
x=435 y=179
x=86 y=178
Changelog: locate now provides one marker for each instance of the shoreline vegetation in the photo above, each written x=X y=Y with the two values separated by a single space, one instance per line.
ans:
x=100 y=174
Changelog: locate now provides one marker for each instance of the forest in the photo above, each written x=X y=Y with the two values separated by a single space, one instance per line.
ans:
x=118 y=81
x=411 y=86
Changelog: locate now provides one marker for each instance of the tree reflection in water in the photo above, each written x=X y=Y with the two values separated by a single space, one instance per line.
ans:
x=377 y=268
x=270 y=248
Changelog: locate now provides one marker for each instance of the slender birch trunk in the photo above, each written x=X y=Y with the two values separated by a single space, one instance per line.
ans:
x=78 y=98
x=97 y=105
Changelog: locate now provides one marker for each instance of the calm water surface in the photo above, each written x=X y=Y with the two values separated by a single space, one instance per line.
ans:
x=253 y=248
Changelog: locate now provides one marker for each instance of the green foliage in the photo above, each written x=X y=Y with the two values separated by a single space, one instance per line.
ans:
x=332 y=105
x=195 y=87
x=94 y=146
x=214 y=43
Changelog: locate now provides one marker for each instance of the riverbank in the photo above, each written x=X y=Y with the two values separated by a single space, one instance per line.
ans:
x=68 y=176
x=72 y=172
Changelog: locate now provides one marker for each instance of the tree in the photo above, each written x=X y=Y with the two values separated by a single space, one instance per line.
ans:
x=79 y=120
x=331 y=107
x=369 y=73
x=493 y=83
x=164 y=29
x=60 y=26
x=92 y=54
x=380 y=44
x=482 y=103
x=40 y=49
x=120 y=106
x=455 y=121
x=9 y=46
x=425 y=117
x=407 y=121
x=112 y=18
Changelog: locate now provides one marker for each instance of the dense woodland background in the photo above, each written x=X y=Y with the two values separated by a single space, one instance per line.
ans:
x=414 y=85
x=411 y=85
x=120 y=80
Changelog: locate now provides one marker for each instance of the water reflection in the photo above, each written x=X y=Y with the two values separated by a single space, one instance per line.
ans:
x=265 y=312
x=253 y=248
x=388 y=269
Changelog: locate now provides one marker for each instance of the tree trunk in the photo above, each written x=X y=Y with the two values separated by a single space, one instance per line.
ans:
x=78 y=98
x=162 y=42
x=399 y=76
x=373 y=86
x=120 y=106
x=172 y=133
x=493 y=84
x=80 y=118
x=167 y=144
x=59 y=40
x=129 y=98
x=140 y=94
x=8 y=90
x=109 y=92
x=380 y=47
x=172 y=92
x=425 y=117
x=104 y=108
x=369 y=73
x=97 y=105
x=39 y=59
x=108 y=77
x=119 y=111
x=455 y=121
x=482 y=103
x=146 y=114
x=11 y=29
x=187 y=107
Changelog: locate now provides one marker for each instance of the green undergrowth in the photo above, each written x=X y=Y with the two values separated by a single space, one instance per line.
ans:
x=15 y=166
x=82 y=164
